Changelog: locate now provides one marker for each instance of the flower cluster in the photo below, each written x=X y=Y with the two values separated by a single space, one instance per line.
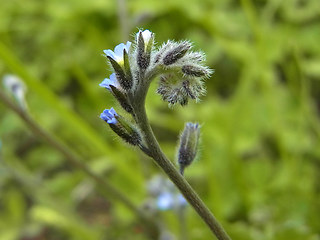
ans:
x=181 y=72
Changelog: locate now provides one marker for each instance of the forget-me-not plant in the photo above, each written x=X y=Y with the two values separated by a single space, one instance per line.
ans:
x=181 y=73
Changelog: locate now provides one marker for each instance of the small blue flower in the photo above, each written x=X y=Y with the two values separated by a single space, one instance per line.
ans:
x=112 y=80
x=117 y=54
x=109 y=115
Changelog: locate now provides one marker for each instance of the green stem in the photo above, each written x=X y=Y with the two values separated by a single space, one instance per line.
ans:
x=75 y=160
x=165 y=164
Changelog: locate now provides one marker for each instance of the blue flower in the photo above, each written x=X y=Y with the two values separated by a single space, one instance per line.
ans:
x=110 y=116
x=117 y=54
x=112 y=80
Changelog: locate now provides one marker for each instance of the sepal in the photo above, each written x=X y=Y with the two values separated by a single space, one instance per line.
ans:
x=125 y=81
x=122 y=99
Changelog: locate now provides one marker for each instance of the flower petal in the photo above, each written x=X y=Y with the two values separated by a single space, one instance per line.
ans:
x=112 y=80
x=105 y=83
x=146 y=36
x=118 y=50
x=109 y=53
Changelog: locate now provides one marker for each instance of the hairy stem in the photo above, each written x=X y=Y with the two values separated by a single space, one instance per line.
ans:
x=106 y=187
x=166 y=165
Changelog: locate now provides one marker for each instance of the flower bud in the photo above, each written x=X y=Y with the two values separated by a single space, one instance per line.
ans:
x=144 y=48
x=17 y=88
x=188 y=145
x=196 y=71
x=176 y=53
x=121 y=127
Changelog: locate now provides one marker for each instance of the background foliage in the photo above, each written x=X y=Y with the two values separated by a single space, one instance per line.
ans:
x=259 y=165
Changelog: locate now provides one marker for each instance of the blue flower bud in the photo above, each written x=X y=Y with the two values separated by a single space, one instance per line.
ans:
x=189 y=140
x=109 y=116
x=121 y=127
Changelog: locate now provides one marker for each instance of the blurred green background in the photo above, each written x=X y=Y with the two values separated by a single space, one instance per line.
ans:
x=259 y=164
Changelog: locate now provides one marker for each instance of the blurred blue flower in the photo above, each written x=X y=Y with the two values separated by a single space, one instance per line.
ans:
x=109 y=116
x=117 y=54
x=165 y=201
x=112 y=80
x=165 y=194
x=168 y=200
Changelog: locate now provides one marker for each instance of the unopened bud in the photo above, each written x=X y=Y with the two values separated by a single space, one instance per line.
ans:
x=122 y=99
x=196 y=71
x=144 y=47
x=188 y=145
x=121 y=127
x=17 y=88
x=176 y=53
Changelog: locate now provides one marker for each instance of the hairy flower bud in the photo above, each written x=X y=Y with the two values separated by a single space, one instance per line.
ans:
x=196 y=71
x=121 y=127
x=176 y=53
x=144 y=48
x=188 y=145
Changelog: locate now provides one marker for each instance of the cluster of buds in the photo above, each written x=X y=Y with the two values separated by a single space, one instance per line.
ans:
x=181 y=72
